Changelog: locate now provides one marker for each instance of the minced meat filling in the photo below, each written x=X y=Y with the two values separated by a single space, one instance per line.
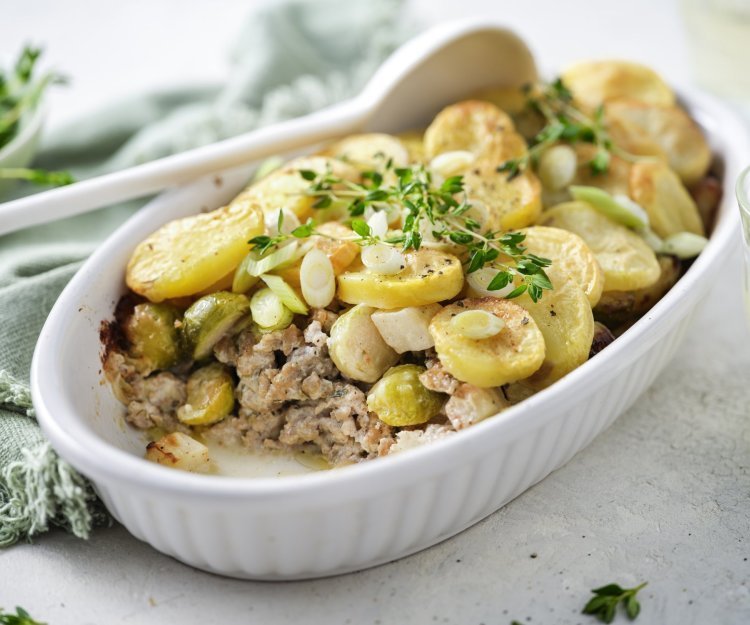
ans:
x=290 y=396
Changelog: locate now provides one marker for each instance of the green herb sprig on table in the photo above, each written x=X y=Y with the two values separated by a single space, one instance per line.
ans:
x=443 y=211
x=604 y=604
x=20 y=93
x=21 y=617
x=567 y=123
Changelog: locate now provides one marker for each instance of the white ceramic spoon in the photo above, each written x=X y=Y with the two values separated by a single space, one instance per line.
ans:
x=416 y=80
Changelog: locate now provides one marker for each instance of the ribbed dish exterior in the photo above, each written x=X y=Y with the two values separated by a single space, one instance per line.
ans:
x=339 y=536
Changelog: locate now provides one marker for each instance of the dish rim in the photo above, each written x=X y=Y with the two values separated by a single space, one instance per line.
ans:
x=78 y=444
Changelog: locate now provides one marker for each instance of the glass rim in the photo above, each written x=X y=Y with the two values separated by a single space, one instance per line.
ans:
x=742 y=190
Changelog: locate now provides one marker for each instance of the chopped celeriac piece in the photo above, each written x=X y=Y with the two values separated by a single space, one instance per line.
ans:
x=179 y=451
x=406 y=329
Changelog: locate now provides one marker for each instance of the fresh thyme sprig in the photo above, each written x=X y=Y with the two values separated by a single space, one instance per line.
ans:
x=567 y=123
x=604 y=605
x=441 y=213
x=21 y=617
x=20 y=93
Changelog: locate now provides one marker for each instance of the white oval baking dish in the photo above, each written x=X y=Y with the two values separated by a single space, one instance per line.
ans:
x=332 y=522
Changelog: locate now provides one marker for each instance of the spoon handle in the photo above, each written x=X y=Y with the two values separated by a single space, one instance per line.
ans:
x=149 y=178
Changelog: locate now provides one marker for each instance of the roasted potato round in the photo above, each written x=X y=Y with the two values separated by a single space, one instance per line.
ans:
x=659 y=191
x=513 y=354
x=185 y=256
x=370 y=151
x=428 y=276
x=596 y=82
x=627 y=261
x=566 y=322
x=571 y=258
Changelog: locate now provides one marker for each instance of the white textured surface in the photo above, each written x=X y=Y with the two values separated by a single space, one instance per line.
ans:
x=663 y=495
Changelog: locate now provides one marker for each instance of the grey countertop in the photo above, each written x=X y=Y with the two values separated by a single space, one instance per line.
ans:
x=663 y=496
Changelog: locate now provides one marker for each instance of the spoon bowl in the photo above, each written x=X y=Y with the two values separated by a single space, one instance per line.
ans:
x=414 y=82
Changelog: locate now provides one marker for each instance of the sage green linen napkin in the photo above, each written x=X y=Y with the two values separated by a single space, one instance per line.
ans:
x=292 y=58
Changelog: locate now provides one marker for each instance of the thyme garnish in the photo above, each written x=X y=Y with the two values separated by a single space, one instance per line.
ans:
x=433 y=214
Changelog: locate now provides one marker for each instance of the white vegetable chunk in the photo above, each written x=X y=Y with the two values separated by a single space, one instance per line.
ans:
x=406 y=329
x=179 y=451
x=317 y=279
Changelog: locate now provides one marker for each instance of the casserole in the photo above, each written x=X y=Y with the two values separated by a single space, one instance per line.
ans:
x=332 y=522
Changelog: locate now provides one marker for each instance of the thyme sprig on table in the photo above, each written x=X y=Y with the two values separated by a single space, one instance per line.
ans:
x=565 y=122
x=21 y=617
x=441 y=213
x=604 y=605
x=21 y=90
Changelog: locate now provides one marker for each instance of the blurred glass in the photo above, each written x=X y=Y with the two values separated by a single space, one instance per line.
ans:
x=743 y=197
x=718 y=34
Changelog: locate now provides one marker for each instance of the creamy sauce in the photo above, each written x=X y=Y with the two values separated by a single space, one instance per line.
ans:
x=243 y=462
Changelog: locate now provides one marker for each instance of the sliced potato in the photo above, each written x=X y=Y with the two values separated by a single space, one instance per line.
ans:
x=620 y=307
x=615 y=181
x=370 y=151
x=514 y=102
x=571 y=258
x=188 y=255
x=429 y=276
x=660 y=192
x=356 y=347
x=179 y=451
x=567 y=324
x=478 y=127
x=511 y=204
x=665 y=131
x=285 y=187
x=627 y=261
x=340 y=252
x=513 y=354
x=596 y=82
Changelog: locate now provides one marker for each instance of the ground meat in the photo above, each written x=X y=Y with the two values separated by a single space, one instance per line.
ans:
x=436 y=378
x=293 y=398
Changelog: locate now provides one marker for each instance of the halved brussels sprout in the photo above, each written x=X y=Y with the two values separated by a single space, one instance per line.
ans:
x=179 y=451
x=154 y=341
x=210 y=318
x=210 y=396
x=269 y=312
x=400 y=399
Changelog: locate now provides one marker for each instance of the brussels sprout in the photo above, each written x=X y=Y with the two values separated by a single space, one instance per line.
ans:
x=210 y=396
x=399 y=398
x=152 y=335
x=210 y=318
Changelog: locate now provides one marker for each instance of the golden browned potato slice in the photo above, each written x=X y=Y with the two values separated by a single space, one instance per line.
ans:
x=512 y=354
x=660 y=130
x=660 y=192
x=511 y=204
x=627 y=261
x=189 y=255
x=285 y=187
x=564 y=317
x=341 y=253
x=615 y=180
x=596 y=82
x=571 y=259
x=473 y=126
x=620 y=307
x=413 y=140
x=428 y=276
x=369 y=151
